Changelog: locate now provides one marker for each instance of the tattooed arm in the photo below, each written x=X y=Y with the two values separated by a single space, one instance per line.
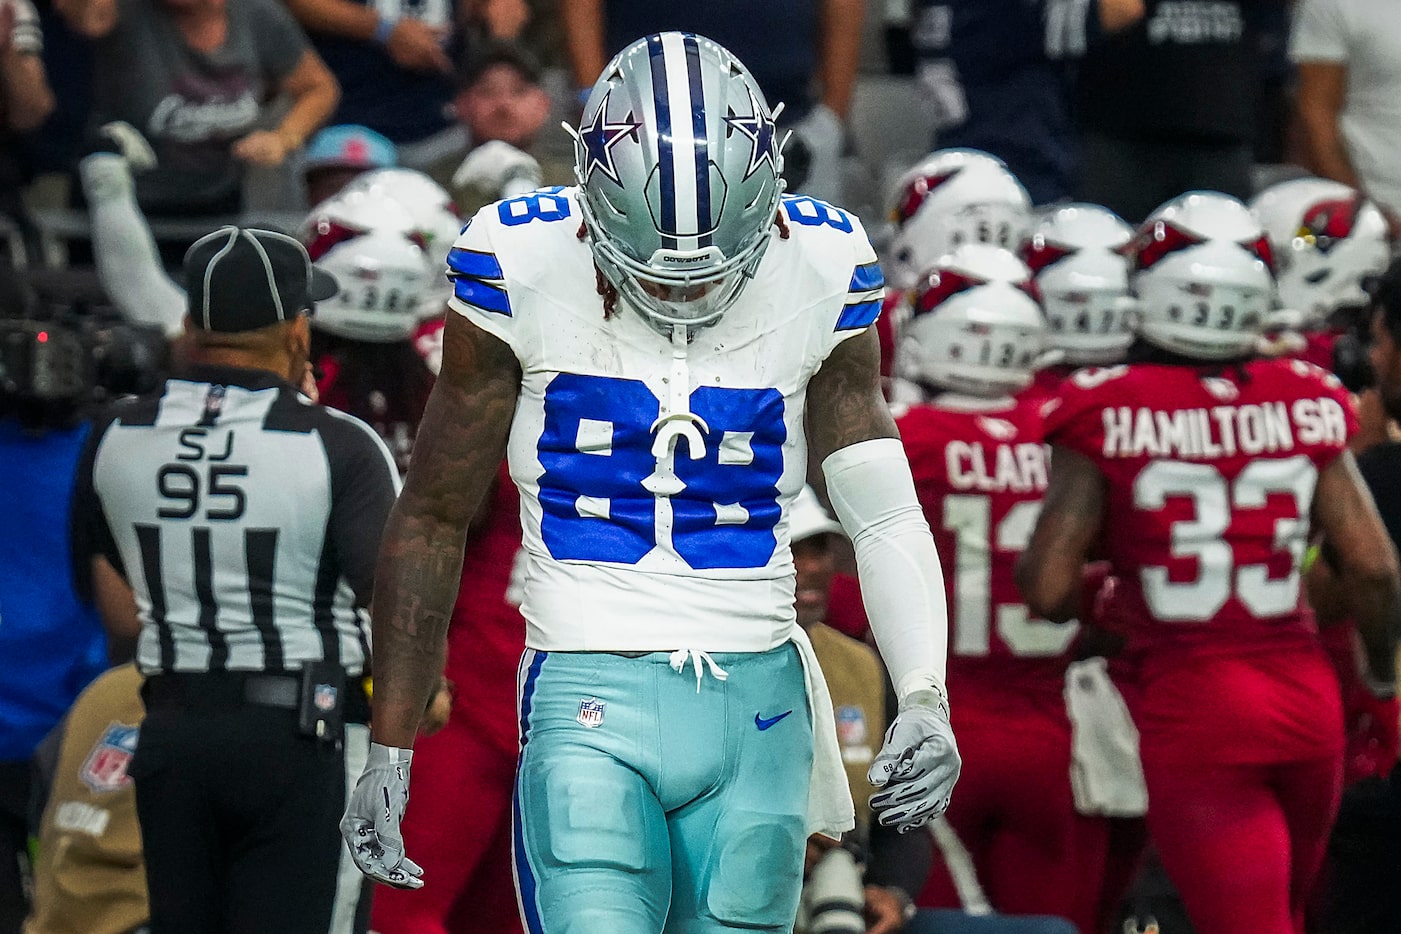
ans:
x=1364 y=559
x=460 y=444
x=1048 y=572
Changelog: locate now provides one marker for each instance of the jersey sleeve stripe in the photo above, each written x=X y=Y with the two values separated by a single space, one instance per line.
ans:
x=858 y=315
x=867 y=277
x=478 y=265
x=482 y=295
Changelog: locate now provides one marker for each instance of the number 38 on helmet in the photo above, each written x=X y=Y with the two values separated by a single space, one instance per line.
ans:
x=679 y=170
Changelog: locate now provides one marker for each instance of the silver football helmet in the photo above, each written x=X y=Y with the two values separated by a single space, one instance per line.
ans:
x=679 y=180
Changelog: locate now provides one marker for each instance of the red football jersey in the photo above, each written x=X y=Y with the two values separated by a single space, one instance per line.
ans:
x=1210 y=478
x=980 y=476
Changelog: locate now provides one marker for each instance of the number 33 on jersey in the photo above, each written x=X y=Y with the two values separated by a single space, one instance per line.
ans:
x=1212 y=477
x=635 y=461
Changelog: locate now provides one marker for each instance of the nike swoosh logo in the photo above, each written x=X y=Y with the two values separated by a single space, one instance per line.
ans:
x=763 y=724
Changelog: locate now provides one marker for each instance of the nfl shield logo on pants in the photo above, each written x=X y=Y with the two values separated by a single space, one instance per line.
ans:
x=591 y=712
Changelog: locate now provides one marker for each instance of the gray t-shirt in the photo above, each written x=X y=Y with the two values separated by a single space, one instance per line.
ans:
x=1365 y=36
x=193 y=105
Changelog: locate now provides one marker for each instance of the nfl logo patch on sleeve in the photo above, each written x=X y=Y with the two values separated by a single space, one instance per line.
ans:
x=591 y=712
x=105 y=767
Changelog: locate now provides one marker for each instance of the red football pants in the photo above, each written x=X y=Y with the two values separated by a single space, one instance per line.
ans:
x=458 y=828
x=1242 y=842
x=1014 y=812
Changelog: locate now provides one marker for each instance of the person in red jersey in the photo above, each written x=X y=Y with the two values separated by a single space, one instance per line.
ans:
x=1202 y=472
x=980 y=469
x=1076 y=253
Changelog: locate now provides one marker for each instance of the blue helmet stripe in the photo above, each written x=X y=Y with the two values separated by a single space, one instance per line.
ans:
x=662 y=104
x=702 y=147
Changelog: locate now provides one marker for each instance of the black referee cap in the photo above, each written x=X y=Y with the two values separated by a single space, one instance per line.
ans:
x=241 y=279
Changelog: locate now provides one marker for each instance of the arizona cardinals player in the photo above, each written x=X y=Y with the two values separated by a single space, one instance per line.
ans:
x=980 y=470
x=1329 y=241
x=1202 y=471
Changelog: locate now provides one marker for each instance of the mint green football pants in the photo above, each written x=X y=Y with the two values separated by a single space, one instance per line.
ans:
x=643 y=805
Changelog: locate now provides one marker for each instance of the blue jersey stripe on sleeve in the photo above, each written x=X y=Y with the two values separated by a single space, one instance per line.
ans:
x=858 y=316
x=484 y=296
x=866 y=277
x=473 y=263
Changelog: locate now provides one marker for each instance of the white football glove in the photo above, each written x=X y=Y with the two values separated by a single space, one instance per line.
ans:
x=131 y=145
x=371 y=823
x=499 y=167
x=918 y=765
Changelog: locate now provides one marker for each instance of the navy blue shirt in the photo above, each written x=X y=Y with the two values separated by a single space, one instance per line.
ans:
x=1016 y=98
x=406 y=106
x=776 y=39
x=51 y=645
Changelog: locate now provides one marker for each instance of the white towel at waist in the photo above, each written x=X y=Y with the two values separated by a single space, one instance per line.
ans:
x=830 y=811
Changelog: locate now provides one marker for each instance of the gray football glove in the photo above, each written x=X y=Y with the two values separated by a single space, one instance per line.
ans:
x=918 y=765
x=371 y=823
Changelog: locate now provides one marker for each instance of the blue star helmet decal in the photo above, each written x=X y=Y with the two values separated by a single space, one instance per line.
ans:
x=599 y=138
x=758 y=127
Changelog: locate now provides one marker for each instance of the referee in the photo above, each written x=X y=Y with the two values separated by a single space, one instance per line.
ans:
x=246 y=520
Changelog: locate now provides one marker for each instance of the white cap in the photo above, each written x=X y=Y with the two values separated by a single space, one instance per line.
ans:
x=807 y=518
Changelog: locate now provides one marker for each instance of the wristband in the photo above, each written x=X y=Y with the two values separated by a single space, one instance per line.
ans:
x=384 y=29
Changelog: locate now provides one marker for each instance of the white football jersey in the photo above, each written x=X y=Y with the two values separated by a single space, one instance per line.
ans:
x=655 y=484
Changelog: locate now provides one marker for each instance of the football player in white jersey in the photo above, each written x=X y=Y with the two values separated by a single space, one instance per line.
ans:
x=657 y=351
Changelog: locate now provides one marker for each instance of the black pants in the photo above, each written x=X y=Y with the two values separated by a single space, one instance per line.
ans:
x=1132 y=177
x=14 y=851
x=239 y=820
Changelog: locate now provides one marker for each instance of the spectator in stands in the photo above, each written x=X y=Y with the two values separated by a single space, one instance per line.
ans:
x=192 y=76
x=503 y=107
x=792 y=46
x=25 y=98
x=395 y=69
x=338 y=153
x=995 y=75
x=1349 y=98
x=1168 y=105
x=51 y=644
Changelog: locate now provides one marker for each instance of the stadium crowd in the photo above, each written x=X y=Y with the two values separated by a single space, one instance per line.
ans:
x=1133 y=268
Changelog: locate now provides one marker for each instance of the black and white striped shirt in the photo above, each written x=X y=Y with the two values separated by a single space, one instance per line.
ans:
x=246 y=518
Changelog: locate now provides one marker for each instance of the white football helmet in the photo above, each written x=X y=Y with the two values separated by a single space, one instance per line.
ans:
x=428 y=203
x=368 y=240
x=1328 y=239
x=1203 y=277
x=953 y=197
x=1076 y=253
x=387 y=284
x=976 y=327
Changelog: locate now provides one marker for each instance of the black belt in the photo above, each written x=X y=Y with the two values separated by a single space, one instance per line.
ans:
x=225 y=689
x=222 y=689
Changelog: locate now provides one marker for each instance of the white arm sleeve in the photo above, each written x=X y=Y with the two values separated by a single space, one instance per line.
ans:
x=902 y=586
x=127 y=260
